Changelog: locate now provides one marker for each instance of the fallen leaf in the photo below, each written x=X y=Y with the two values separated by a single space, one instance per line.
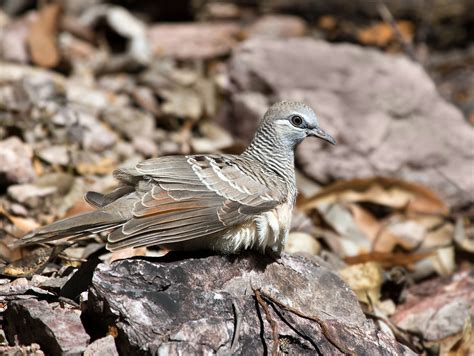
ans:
x=105 y=166
x=382 y=33
x=24 y=225
x=30 y=264
x=391 y=192
x=389 y=259
x=365 y=280
x=42 y=37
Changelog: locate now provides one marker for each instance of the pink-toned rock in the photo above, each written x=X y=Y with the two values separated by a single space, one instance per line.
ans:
x=383 y=110
x=439 y=308
x=58 y=331
x=193 y=40
x=15 y=161
x=279 y=26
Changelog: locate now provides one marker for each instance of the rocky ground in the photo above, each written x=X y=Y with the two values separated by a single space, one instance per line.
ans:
x=380 y=252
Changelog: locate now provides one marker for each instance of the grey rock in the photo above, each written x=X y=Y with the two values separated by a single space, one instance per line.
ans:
x=15 y=161
x=247 y=110
x=193 y=305
x=439 y=308
x=30 y=194
x=280 y=26
x=54 y=155
x=102 y=346
x=128 y=121
x=97 y=137
x=193 y=40
x=384 y=110
x=56 y=330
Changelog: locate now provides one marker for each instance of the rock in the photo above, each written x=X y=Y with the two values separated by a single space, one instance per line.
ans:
x=193 y=40
x=56 y=330
x=97 y=137
x=215 y=304
x=30 y=194
x=248 y=109
x=15 y=162
x=129 y=122
x=103 y=346
x=31 y=350
x=279 y=26
x=13 y=41
x=54 y=154
x=384 y=110
x=439 y=308
x=132 y=28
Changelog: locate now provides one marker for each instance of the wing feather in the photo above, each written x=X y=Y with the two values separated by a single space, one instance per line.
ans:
x=189 y=198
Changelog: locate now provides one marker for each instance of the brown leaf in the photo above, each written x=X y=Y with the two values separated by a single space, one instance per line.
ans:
x=24 y=225
x=365 y=279
x=391 y=192
x=105 y=166
x=381 y=34
x=42 y=37
x=31 y=263
x=388 y=259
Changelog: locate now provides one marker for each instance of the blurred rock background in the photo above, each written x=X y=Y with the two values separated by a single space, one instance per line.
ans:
x=90 y=86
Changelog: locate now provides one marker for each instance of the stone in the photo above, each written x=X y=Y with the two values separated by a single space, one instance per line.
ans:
x=30 y=194
x=181 y=304
x=279 y=26
x=15 y=162
x=438 y=308
x=102 y=346
x=193 y=40
x=383 y=109
x=56 y=330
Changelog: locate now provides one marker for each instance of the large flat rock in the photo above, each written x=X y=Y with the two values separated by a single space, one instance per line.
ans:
x=383 y=109
x=243 y=304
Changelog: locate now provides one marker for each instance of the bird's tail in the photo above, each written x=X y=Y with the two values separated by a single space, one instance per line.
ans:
x=72 y=228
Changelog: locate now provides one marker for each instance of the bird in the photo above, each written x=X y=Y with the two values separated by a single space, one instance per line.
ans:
x=220 y=202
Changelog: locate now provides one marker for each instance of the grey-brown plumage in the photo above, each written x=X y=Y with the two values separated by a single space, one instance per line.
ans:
x=220 y=202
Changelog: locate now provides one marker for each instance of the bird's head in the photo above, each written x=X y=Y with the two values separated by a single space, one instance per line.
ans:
x=294 y=121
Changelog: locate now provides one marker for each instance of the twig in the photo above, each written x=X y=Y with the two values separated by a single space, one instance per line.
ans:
x=238 y=323
x=401 y=335
x=273 y=324
x=388 y=18
x=321 y=324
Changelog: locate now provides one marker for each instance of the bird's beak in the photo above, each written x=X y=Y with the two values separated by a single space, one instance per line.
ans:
x=318 y=132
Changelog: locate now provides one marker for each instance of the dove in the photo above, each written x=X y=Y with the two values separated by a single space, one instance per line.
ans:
x=220 y=202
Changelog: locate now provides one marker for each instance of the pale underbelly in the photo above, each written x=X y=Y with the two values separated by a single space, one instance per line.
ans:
x=267 y=231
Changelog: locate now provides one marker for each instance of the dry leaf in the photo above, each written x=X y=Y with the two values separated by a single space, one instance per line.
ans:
x=389 y=259
x=365 y=279
x=391 y=192
x=105 y=166
x=24 y=225
x=29 y=264
x=382 y=33
x=461 y=237
x=42 y=37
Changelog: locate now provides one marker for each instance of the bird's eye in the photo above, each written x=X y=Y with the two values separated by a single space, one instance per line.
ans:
x=296 y=120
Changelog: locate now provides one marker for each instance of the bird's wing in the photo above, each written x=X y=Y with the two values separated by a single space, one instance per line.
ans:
x=185 y=198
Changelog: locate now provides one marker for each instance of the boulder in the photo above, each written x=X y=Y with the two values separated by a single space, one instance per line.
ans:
x=246 y=304
x=383 y=109
x=15 y=162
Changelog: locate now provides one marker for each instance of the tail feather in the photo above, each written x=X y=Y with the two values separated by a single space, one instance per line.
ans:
x=74 y=227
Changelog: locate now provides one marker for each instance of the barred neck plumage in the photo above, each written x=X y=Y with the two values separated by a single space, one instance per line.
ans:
x=273 y=152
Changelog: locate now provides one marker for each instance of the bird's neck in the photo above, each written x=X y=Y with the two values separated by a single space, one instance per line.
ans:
x=273 y=152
